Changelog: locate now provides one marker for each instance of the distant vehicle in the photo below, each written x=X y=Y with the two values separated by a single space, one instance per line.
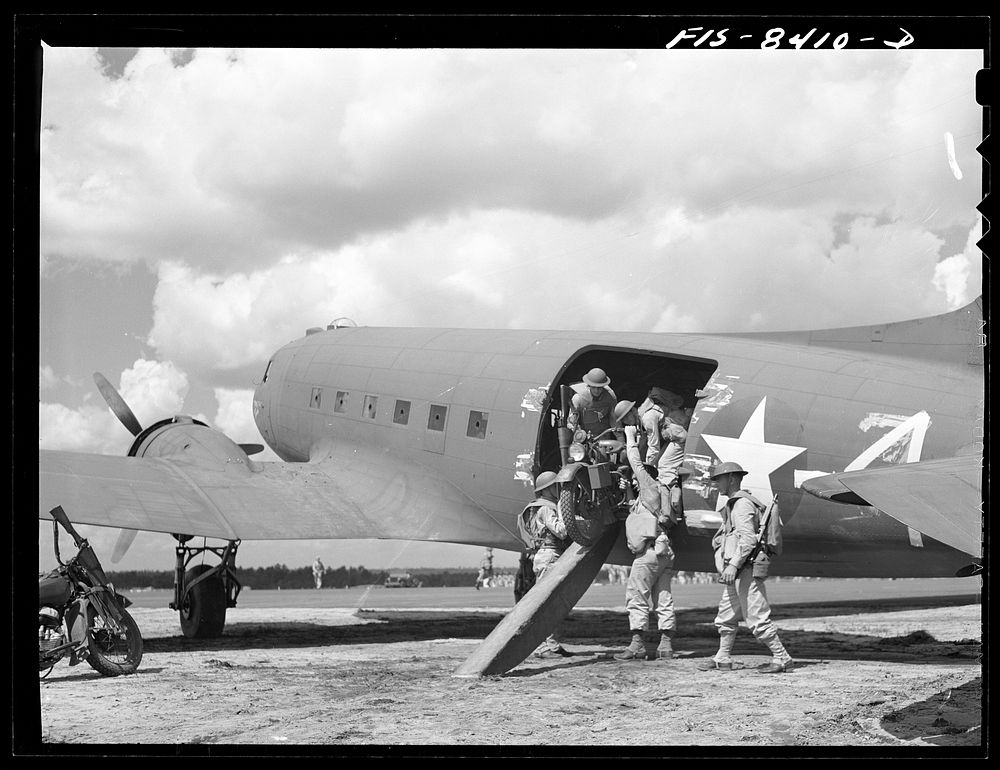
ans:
x=402 y=580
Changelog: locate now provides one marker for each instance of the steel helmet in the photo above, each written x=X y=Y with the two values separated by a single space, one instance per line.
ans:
x=545 y=479
x=723 y=468
x=597 y=378
x=622 y=408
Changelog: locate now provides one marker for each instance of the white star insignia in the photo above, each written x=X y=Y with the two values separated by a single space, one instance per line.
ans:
x=757 y=457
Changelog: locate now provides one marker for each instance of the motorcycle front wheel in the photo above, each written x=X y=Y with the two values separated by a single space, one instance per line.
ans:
x=584 y=521
x=114 y=651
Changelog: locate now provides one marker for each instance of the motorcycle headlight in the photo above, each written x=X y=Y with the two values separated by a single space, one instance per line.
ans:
x=576 y=452
x=580 y=436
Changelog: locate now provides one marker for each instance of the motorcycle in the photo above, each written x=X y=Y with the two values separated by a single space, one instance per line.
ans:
x=81 y=616
x=591 y=495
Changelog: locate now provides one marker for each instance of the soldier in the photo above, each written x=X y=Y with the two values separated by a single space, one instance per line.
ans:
x=544 y=532
x=318 y=570
x=743 y=595
x=671 y=474
x=485 y=576
x=663 y=421
x=592 y=409
x=647 y=534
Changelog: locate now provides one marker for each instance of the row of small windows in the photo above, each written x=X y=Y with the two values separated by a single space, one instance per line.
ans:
x=436 y=417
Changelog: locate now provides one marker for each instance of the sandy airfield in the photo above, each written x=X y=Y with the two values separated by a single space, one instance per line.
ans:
x=882 y=674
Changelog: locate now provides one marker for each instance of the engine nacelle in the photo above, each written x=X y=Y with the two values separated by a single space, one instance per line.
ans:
x=185 y=439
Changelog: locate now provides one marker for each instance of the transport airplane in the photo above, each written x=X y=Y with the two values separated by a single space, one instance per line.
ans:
x=871 y=436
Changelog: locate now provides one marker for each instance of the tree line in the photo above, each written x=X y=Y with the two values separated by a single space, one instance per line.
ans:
x=281 y=576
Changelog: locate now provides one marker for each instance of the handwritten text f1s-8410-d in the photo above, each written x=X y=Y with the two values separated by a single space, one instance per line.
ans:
x=776 y=37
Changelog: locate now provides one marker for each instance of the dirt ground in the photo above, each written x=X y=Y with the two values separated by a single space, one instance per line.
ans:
x=889 y=676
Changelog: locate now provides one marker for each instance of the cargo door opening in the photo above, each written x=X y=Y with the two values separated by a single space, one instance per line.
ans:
x=633 y=373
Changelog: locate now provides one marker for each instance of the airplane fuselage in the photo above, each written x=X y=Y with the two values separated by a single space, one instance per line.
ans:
x=472 y=410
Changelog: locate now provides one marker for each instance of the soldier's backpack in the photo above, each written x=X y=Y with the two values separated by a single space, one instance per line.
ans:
x=530 y=527
x=768 y=525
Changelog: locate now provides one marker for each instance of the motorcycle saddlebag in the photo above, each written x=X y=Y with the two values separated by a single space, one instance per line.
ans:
x=53 y=590
x=600 y=475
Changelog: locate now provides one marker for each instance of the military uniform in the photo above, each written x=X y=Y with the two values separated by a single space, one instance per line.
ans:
x=485 y=576
x=665 y=445
x=554 y=540
x=746 y=598
x=591 y=414
x=647 y=534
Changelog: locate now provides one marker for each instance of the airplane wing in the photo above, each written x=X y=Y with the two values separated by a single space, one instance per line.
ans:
x=344 y=495
x=940 y=498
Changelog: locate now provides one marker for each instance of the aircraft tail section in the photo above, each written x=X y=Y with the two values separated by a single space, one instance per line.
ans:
x=956 y=337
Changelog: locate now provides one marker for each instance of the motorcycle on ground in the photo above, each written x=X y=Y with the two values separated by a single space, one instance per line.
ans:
x=590 y=493
x=81 y=616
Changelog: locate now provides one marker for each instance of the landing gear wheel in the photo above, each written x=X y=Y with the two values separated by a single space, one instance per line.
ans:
x=113 y=651
x=203 y=613
x=582 y=525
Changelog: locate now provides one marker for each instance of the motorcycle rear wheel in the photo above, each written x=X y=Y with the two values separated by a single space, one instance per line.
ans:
x=113 y=651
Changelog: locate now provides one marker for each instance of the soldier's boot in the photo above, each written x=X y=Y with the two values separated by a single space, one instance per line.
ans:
x=780 y=662
x=665 y=651
x=636 y=649
x=723 y=658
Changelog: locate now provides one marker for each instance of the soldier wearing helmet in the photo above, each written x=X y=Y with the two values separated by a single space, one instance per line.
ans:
x=647 y=533
x=592 y=409
x=545 y=538
x=664 y=421
x=744 y=596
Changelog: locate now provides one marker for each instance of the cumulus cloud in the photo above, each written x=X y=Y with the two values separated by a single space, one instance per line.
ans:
x=952 y=275
x=235 y=418
x=153 y=390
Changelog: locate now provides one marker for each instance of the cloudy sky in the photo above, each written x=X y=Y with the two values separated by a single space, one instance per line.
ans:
x=199 y=208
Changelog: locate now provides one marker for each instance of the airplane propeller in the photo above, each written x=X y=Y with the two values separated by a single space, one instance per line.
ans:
x=122 y=544
x=127 y=418
x=117 y=404
x=121 y=410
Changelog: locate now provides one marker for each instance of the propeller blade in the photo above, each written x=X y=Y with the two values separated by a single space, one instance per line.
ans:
x=117 y=404
x=252 y=449
x=125 y=538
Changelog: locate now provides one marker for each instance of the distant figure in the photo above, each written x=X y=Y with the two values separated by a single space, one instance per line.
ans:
x=617 y=574
x=485 y=577
x=318 y=570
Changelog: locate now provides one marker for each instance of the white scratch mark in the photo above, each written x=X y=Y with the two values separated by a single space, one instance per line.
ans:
x=533 y=399
x=949 y=142
x=522 y=468
x=881 y=420
x=907 y=437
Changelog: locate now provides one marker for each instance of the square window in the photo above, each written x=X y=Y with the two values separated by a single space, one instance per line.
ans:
x=402 y=414
x=477 y=424
x=341 y=405
x=316 y=398
x=371 y=405
x=437 y=417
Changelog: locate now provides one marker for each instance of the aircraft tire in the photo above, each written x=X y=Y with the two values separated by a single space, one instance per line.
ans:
x=203 y=615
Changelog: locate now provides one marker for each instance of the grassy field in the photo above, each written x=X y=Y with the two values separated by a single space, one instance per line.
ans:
x=690 y=595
